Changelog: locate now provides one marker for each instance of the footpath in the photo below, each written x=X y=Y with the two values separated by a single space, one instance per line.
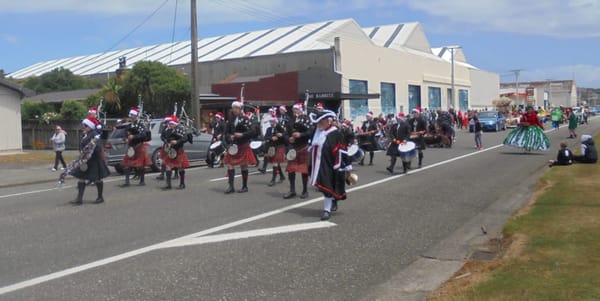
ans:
x=30 y=167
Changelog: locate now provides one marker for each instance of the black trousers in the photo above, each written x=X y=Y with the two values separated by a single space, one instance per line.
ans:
x=58 y=157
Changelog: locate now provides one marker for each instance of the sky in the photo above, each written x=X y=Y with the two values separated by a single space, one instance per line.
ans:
x=547 y=40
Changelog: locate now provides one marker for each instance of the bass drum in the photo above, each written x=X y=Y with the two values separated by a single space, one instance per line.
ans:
x=355 y=153
x=407 y=151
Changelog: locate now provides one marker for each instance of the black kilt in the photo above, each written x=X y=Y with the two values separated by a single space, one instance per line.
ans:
x=96 y=169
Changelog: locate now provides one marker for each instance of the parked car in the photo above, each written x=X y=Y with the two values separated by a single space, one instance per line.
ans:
x=595 y=110
x=492 y=121
x=116 y=147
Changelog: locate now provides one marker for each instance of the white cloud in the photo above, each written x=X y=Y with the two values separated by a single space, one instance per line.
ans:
x=8 y=39
x=558 y=18
x=585 y=75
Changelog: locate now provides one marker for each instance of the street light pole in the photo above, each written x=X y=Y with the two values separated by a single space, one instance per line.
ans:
x=517 y=72
x=194 y=64
x=451 y=99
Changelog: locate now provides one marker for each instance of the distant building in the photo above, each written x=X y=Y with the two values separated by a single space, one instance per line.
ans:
x=383 y=69
x=10 y=116
x=543 y=94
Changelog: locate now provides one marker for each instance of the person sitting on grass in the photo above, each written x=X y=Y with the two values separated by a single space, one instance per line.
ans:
x=589 y=154
x=564 y=156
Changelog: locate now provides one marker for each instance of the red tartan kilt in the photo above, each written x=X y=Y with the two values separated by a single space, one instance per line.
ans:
x=140 y=159
x=279 y=156
x=300 y=164
x=162 y=154
x=181 y=161
x=244 y=156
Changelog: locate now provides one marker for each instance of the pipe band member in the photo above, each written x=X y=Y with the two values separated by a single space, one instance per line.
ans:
x=299 y=133
x=175 y=138
x=367 y=137
x=92 y=157
x=238 y=132
x=137 y=134
x=398 y=133
x=218 y=128
x=418 y=128
x=329 y=164
x=275 y=137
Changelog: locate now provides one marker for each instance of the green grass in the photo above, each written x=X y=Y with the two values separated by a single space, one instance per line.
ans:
x=561 y=258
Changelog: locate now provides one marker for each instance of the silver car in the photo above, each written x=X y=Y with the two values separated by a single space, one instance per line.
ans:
x=116 y=146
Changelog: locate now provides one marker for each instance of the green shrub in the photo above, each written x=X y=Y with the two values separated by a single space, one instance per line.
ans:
x=73 y=110
x=35 y=110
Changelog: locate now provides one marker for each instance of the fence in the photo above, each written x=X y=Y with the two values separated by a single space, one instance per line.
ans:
x=37 y=135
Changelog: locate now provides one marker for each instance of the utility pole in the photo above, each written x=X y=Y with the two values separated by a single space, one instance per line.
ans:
x=451 y=101
x=194 y=65
x=517 y=72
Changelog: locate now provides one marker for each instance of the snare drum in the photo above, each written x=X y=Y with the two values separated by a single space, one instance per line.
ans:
x=130 y=152
x=217 y=147
x=407 y=151
x=355 y=153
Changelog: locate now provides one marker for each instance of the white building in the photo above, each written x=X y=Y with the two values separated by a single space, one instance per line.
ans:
x=542 y=93
x=10 y=116
x=385 y=69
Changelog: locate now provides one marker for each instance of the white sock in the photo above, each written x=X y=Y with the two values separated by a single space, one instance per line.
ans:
x=327 y=204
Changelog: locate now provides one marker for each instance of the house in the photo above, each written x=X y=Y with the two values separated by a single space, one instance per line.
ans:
x=11 y=96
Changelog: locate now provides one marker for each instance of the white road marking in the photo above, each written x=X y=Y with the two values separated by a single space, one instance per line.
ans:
x=237 y=176
x=246 y=234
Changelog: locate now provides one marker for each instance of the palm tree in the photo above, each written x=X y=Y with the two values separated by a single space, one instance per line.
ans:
x=110 y=92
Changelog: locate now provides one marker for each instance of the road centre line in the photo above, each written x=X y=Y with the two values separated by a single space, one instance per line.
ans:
x=126 y=255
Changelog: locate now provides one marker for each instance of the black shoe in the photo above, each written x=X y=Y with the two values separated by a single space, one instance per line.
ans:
x=124 y=185
x=261 y=170
x=334 y=206
x=142 y=184
x=405 y=170
x=390 y=169
x=361 y=163
x=281 y=180
x=167 y=188
x=98 y=201
x=304 y=195
x=181 y=186
x=243 y=190
x=326 y=215
x=76 y=203
x=370 y=163
x=289 y=195
x=272 y=183
x=160 y=178
x=419 y=165
x=229 y=190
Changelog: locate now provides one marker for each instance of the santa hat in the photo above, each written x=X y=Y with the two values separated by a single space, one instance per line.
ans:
x=320 y=106
x=133 y=111
x=370 y=114
x=168 y=118
x=93 y=110
x=174 y=120
x=416 y=110
x=315 y=118
x=237 y=104
x=298 y=106
x=272 y=110
x=91 y=123
x=219 y=115
x=282 y=108
x=273 y=118
x=347 y=122
x=400 y=115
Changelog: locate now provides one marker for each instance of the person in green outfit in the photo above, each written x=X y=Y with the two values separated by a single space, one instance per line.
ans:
x=573 y=122
x=556 y=116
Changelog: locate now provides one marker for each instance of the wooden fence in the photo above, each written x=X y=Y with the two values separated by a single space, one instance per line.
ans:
x=37 y=135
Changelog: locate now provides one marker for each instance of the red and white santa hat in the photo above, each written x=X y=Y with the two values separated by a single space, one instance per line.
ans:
x=416 y=110
x=370 y=114
x=298 y=106
x=400 y=115
x=283 y=108
x=91 y=123
x=237 y=104
x=174 y=120
x=133 y=111
x=320 y=106
x=219 y=115
x=168 y=118
x=93 y=111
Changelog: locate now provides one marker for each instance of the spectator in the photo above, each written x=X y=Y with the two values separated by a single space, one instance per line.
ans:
x=477 y=129
x=556 y=116
x=589 y=154
x=564 y=156
x=58 y=144
x=573 y=122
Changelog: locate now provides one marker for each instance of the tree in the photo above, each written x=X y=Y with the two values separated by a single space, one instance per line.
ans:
x=60 y=79
x=110 y=92
x=159 y=86
x=2 y=74
x=73 y=110
x=35 y=110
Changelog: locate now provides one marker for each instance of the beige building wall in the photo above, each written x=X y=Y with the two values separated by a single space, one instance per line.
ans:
x=485 y=88
x=10 y=120
x=365 y=61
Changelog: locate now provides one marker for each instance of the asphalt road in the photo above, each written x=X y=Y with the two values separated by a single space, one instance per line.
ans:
x=148 y=244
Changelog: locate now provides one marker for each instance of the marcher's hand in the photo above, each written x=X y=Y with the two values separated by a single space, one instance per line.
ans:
x=274 y=138
x=238 y=135
x=173 y=142
x=292 y=139
x=130 y=137
x=296 y=135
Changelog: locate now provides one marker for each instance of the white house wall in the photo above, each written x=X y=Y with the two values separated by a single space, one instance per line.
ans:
x=362 y=61
x=10 y=120
x=485 y=88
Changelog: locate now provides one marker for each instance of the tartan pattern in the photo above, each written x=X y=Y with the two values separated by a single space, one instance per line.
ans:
x=243 y=157
x=181 y=161
x=300 y=164
x=140 y=159
x=279 y=156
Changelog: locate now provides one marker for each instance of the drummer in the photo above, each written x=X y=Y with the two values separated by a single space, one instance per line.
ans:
x=367 y=137
x=299 y=133
x=418 y=128
x=238 y=132
x=398 y=133
x=218 y=127
x=275 y=138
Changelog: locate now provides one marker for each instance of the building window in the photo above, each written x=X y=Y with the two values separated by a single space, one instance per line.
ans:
x=388 y=98
x=463 y=100
x=358 y=107
x=435 y=98
x=414 y=97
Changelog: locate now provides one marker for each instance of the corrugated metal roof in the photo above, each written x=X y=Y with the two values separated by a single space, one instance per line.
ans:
x=299 y=38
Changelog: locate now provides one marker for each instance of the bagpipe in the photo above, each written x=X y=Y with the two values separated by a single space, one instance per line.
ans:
x=81 y=162
x=187 y=123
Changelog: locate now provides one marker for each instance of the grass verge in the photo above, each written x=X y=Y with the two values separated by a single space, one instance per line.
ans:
x=550 y=250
